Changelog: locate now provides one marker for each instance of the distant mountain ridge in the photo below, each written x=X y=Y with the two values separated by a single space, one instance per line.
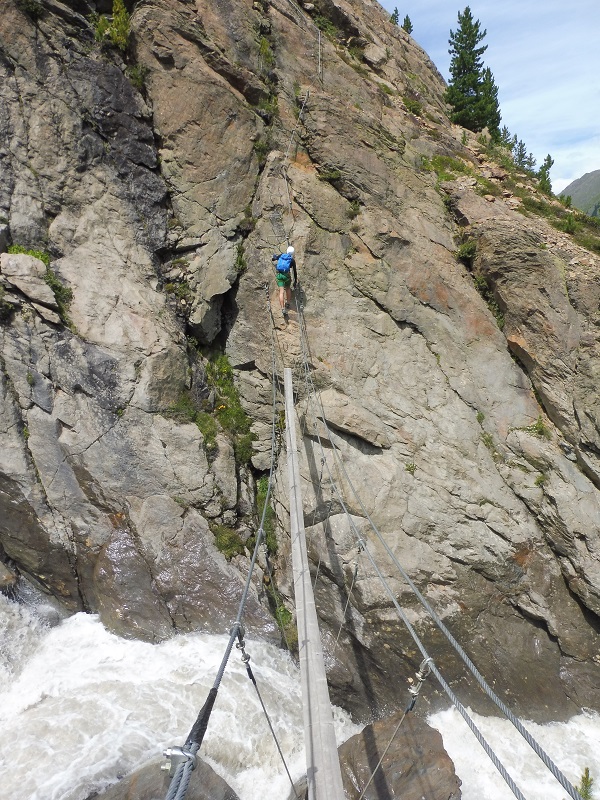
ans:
x=585 y=193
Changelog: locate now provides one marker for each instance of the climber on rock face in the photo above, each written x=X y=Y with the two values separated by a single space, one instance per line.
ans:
x=286 y=263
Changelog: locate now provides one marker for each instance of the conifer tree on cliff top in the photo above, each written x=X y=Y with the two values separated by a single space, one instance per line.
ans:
x=472 y=93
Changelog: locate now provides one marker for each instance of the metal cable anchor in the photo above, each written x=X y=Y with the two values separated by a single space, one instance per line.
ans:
x=175 y=757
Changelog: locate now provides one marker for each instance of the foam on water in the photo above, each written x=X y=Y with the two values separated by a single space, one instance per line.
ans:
x=572 y=746
x=83 y=707
x=80 y=707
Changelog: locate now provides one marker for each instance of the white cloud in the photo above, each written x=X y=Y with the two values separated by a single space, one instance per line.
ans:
x=545 y=59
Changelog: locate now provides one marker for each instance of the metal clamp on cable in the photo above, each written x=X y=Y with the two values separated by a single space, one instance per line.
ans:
x=238 y=630
x=423 y=672
x=175 y=757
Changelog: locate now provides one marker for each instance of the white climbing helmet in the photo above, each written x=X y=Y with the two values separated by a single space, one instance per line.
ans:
x=290 y=249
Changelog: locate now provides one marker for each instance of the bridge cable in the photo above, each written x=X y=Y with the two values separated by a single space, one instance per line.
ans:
x=456 y=702
x=183 y=759
x=241 y=645
x=547 y=761
x=423 y=672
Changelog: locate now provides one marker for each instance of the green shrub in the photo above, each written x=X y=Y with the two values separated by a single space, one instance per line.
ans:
x=229 y=411
x=568 y=224
x=285 y=619
x=17 y=249
x=539 y=429
x=32 y=7
x=208 y=428
x=185 y=410
x=101 y=24
x=411 y=468
x=330 y=175
x=354 y=209
x=137 y=75
x=118 y=32
x=486 y=292
x=385 y=89
x=62 y=294
x=268 y=105
x=115 y=31
x=413 y=106
x=585 y=786
x=466 y=251
x=262 y=147
x=488 y=440
x=228 y=541
x=240 y=260
x=327 y=27
x=267 y=59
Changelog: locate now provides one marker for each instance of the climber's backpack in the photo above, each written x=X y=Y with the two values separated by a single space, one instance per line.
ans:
x=284 y=262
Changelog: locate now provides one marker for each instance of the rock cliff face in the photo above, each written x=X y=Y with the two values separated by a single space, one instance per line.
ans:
x=476 y=450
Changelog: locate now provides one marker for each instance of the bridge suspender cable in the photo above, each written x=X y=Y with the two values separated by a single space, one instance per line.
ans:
x=183 y=759
x=547 y=761
x=323 y=773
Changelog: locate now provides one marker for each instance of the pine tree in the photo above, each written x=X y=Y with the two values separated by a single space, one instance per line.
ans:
x=530 y=162
x=395 y=18
x=472 y=93
x=489 y=108
x=407 y=24
x=544 y=175
x=585 y=787
x=520 y=154
x=506 y=140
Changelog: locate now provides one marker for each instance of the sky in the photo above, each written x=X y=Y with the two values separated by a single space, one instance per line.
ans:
x=545 y=59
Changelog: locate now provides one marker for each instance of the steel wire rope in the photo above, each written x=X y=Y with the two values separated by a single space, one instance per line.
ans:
x=241 y=645
x=546 y=760
x=186 y=756
x=422 y=674
x=456 y=702
x=535 y=746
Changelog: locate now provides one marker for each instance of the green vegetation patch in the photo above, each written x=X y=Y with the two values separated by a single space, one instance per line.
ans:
x=137 y=74
x=329 y=174
x=262 y=487
x=413 y=106
x=539 y=429
x=445 y=167
x=228 y=541
x=228 y=409
x=18 y=249
x=32 y=7
x=115 y=30
x=228 y=413
x=327 y=27
x=284 y=618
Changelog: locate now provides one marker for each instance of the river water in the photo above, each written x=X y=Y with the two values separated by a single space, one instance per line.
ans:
x=80 y=707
